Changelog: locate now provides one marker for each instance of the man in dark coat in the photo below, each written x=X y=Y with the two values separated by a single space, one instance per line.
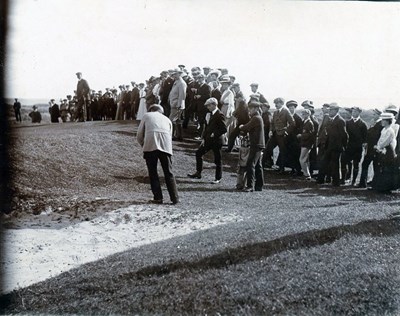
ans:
x=17 y=110
x=322 y=136
x=35 y=115
x=255 y=128
x=241 y=115
x=336 y=143
x=371 y=155
x=202 y=94
x=282 y=122
x=357 y=131
x=165 y=89
x=135 y=98
x=212 y=140
x=293 y=143
x=83 y=95
x=54 y=111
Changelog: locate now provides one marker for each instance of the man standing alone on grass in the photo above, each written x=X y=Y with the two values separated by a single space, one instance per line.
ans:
x=155 y=136
x=255 y=128
x=17 y=110
x=83 y=96
x=212 y=140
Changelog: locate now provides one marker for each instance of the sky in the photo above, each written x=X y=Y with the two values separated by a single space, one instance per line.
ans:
x=325 y=51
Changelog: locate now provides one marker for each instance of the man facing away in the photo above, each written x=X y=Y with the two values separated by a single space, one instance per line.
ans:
x=155 y=136
x=212 y=140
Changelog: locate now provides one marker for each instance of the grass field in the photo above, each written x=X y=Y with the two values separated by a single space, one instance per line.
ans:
x=295 y=249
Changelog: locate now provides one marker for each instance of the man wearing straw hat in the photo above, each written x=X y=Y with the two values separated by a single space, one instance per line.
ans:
x=176 y=99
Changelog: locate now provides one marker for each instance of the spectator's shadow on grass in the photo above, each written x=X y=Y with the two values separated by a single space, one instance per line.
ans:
x=257 y=251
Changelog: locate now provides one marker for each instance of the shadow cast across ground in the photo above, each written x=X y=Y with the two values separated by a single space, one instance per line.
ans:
x=256 y=251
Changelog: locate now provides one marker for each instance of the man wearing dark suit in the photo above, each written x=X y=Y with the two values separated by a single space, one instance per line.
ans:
x=357 y=131
x=255 y=128
x=190 y=105
x=308 y=105
x=165 y=89
x=202 y=94
x=135 y=98
x=336 y=143
x=371 y=155
x=212 y=140
x=241 y=114
x=216 y=92
x=293 y=142
x=254 y=88
x=17 y=110
x=282 y=122
x=83 y=95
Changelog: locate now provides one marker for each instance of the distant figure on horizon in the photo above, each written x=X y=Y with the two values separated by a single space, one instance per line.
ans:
x=17 y=110
x=83 y=95
x=35 y=115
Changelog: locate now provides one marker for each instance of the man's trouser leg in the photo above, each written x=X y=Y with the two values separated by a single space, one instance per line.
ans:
x=151 y=162
x=216 y=148
x=166 y=164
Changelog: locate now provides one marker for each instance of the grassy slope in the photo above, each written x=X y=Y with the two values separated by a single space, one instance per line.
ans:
x=298 y=248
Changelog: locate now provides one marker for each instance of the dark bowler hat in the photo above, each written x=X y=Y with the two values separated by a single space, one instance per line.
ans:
x=291 y=103
x=78 y=73
x=254 y=104
x=254 y=84
x=325 y=105
x=308 y=104
x=356 y=108
x=206 y=67
x=333 y=106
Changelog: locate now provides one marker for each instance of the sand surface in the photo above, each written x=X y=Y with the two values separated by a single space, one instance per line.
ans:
x=48 y=245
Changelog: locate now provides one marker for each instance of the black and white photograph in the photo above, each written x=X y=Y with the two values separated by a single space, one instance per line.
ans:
x=186 y=157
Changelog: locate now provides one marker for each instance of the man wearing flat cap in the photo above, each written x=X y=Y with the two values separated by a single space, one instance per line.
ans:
x=255 y=129
x=155 y=136
x=293 y=140
x=357 y=131
x=336 y=142
x=282 y=122
x=254 y=90
x=83 y=96
x=309 y=105
x=212 y=140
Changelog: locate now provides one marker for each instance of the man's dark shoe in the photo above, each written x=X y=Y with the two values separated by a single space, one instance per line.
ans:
x=248 y=190
x=361 y=185
x=175 y=202
x=156 y=201
x=195 y=175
